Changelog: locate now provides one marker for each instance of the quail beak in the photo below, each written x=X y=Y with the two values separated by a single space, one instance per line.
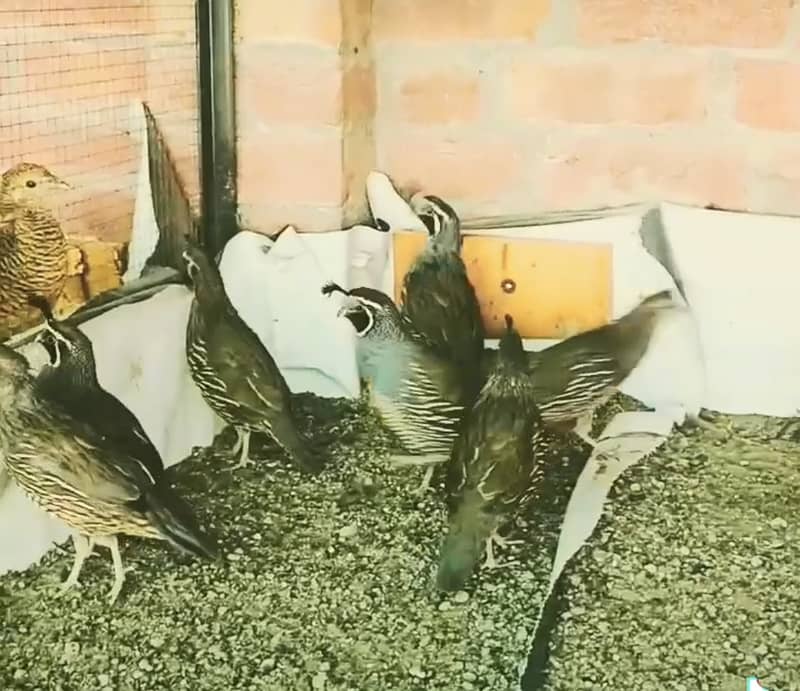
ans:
x=59 y=183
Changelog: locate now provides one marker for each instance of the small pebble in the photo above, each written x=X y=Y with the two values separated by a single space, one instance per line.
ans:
x=778 y=523
x=461 y=597
x=348 y=531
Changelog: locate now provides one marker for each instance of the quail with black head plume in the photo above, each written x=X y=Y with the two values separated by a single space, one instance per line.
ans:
x=418 y=394
x=69 y=380
x=235 y=373
x=493 y=471
x=70 y=471
x=437 y=296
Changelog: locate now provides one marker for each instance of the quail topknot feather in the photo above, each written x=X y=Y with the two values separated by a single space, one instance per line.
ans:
x=493 y=471
x=437 y=296
x=72 y=473
x=33 y=249
x=419 y=395
x=69 y=380
x=235 y=373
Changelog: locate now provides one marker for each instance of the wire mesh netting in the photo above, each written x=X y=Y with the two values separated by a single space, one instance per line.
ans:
x=73 y=76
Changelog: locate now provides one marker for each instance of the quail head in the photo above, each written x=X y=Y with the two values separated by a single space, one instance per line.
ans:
x=418 y=394
x=493 y=471
x=30 y=185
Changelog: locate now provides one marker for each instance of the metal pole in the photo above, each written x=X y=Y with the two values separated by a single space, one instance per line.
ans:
x=217 y=107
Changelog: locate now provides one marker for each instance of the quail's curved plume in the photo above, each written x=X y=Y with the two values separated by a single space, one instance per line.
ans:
x=70 y=381
x=493 y=470
x=574 y=377
x=438 y=297
x=33 y=249
x=72 y=473
x=234 y=371
x=418 y=394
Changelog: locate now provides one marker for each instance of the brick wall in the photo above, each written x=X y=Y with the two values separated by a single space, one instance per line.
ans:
x=71 y=75
x=517 y=105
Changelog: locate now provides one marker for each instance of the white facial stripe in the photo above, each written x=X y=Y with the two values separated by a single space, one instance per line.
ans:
x=368 y=303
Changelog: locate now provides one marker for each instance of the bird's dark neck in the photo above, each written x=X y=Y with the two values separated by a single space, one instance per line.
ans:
x=56 y=382
x=210 y=294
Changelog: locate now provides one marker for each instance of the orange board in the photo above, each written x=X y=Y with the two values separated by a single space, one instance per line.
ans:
x=552 y=288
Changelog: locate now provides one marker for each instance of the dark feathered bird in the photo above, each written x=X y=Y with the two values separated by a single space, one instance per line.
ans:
x=418 y=394
x=493 y=471
x=437 y=295
x=72 y=473
x=577 y=375
x=234 y=371
x=69 y=381
x=33 y=249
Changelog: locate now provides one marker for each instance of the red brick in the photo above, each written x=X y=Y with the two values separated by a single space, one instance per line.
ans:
x=474 y=167
x=291 y=166
x=736 y=23
x=645 y=91
x=435 y=97
x=300 y=85
x=304 y=21
x=458 y=19
x=580 y=172
x=767 y=94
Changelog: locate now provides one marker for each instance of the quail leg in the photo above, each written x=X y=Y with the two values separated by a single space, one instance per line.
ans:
x=243 y=445
x=430 y=461
x=496 y=539
x=582 y=428
x=119 y=570
x=83 y=549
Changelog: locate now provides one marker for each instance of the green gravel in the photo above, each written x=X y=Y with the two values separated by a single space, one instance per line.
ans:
x=327 y=583
x=692 y=579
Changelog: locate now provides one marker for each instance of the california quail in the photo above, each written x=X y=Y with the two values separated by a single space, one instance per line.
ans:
x=69 y=381
x=437 y=296
x=574 y=377
x=72 y=473
x=33 y=249
x=234 y=371
x=418 y=394
x=493 y=470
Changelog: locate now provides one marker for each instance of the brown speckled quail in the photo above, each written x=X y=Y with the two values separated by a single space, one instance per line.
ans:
x=33 y=249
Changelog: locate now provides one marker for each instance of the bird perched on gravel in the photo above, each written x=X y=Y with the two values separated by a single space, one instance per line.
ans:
x=235 y=373
x=493 y=469
x=72 y=473
x=33 y=249
x=69 y=381
x=576 y=376
x=419 y=395
x=437 y=296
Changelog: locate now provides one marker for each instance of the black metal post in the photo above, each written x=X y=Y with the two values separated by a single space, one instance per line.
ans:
x=217 y=122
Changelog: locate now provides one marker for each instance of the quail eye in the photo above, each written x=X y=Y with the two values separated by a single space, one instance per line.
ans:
x=30 y=183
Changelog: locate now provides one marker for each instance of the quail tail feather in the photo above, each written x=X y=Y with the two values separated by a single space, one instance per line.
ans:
x=463 y=546
x=175 y=520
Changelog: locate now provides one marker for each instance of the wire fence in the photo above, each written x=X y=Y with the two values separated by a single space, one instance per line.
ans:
x=73 y=75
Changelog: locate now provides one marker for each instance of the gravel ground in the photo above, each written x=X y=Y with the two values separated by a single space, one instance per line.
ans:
x=691 y=580
x=327 y=584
